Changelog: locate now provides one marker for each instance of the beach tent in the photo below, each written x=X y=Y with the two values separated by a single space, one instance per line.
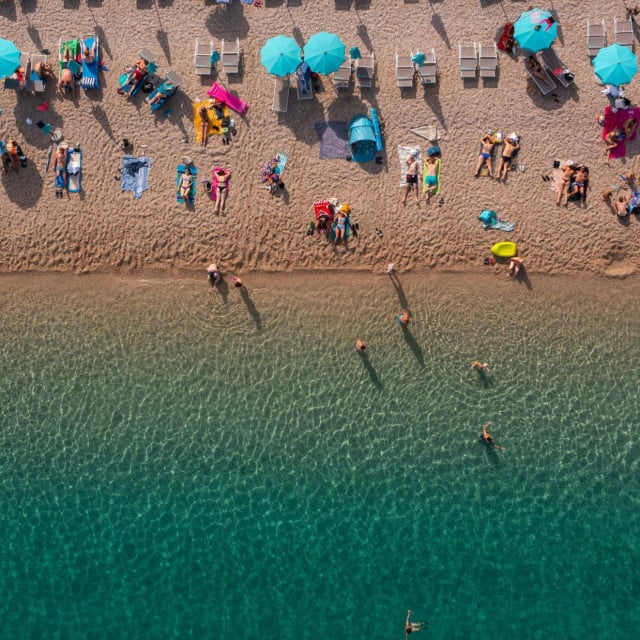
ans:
x=362 y=139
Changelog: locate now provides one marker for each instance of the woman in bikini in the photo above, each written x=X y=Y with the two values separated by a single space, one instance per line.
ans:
x=486 y=149
x=563 y=183
x=204 y=126
x=611 y=141
x=136 y=74
x=184 y=186
x=341 y=225
x=222 y=175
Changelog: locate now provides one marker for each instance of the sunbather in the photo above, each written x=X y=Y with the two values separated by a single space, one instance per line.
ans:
x=60 y=160
x=161 y=93
x=43 y=70
x=621 y=205
x=515 y=264
x=411 y=177
x=137 y=74
x=611 y=141
x=564 y=182
x=67 y=81
x=629 y=126
x=204 y=126
x=533 y=64
x=486 y=150
x=341 y=224
x=89 y=53
x=431 y=177
x=510 y=147
x=222 y=176
x=581 y=182
x=184 y=186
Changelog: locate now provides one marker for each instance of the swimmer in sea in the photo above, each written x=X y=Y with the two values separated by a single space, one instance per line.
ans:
x=410 y=627
x=487 y=438
x=480 y=366
x=360 y=346
x=403 y=318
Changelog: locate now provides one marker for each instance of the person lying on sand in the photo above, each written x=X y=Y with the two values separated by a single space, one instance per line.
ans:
x=611 y=141
x=486 y=148
x=564 y=182
x=510 y=147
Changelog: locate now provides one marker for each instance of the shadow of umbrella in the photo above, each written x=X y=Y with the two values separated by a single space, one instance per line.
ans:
x=23 y=187
x=101 y=118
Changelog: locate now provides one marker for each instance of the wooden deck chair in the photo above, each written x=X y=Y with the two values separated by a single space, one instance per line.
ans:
x=551 y=63
x=230 y=56
x=468 y=58
x=405 y=71
x=14 y=83
x=596 y=37
x=488 y=60
x=342 y=77
x=365 y=71
x=545 y=89
x=281 y=88
x=36 y=83
x=623 y=32
x=204 y=67
x=428 y=70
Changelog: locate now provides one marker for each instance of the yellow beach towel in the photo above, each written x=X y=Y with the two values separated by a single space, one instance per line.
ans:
x=215 y=123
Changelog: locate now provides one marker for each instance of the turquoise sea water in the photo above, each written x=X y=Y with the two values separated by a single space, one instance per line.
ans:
x=177 y=463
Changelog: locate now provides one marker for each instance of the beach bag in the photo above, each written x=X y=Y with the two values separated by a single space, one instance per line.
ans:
x=488 y=217
x=433 y=151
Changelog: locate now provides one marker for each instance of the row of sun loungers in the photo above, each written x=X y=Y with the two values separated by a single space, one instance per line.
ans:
x=31 y=81
x=205 y=57
x=407 y=70
x=476 y=59
x=623 y=34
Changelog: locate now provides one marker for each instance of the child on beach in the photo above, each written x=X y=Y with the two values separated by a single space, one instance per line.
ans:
x=515 y=264
x=412 y=177
x=213 y=274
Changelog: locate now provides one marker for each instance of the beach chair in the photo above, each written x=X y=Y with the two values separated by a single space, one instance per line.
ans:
x=89 y=78
x=623 y=32
x=468 y=58
x=230 y=56
x=365 y=71
x=405 y=71
x=545 y=89
x=554 y=66
x=204 y=51
x=596 y=37
x=304 y=85
x=19 y=79
x=342 y=77
x=36 y=83
x=488 y=60
x=69 y=57
x=166 y=89
x=281 y=88
x=428 y=70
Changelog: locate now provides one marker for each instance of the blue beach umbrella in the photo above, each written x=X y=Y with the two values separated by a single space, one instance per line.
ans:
x=9 y=58
x=324 y=52
x=615 y=65
x=280 y=55
x=535 y=30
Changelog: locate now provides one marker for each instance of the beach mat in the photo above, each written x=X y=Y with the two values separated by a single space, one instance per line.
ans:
x=334 y=139
x=403 y=153
x=215 y=123
x=135 y=174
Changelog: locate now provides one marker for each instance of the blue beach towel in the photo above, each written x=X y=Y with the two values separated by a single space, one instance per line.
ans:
x=192 y=194
x=334 y=139
x=90 y=69
x=135 y=173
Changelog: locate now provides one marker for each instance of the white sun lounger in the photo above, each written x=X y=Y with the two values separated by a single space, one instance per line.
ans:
x=405 y=71
x=428 y=70
x=342 y=77
x=488 y=60
x=230 y=56
x=35 y=82
x=551 y=62
x=281 y=88
x=468 y=58
x=365 y=71
x=623 y=32
x=596 y=37
x=204 y=67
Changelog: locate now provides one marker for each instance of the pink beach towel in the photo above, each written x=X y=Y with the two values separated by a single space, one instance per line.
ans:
x=214 y=183
x=233 y=102
x=613 y=119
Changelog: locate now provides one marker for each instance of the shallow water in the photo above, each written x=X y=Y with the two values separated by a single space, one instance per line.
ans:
x=180 y=463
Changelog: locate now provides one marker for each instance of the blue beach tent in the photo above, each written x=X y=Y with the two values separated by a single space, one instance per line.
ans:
x=362 y=139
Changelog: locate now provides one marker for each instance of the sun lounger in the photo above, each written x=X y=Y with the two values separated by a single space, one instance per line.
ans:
x=69 y=57
x=192 y=193
x=544 y=88
x=468 y=58
x=342 y=77
x=204 y=50
x=230 y=56
x=281 y=88
x=220 y=93
x=596 y=37
x=35 y=82
x=365 y=71
x=488 y=60
x=74 y=170
x=303 y=82
x=428 y=70
x=554 y=66
x=19 y=79
x=165 y=89
x=405 y=71
x=89 y=78
x=623 y=32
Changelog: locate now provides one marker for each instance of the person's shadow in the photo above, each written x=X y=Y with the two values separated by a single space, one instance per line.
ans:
x=364 y=358
x=251 y=308
x=485 y=380
x=413 y=345
x=491 y=453
x=223 y=289
x=402 y=298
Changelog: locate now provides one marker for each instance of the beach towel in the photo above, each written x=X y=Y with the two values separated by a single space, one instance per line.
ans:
x=616 y=118
x=73 y=63
x=214 y=184
x=347 y=228
x=90 y=69
x=215 y=122
x=425 y=169
x=403 y=153
x=275 y=165
x=74 y=170
x=490 y=220
x=192 y=194
x=334 y=139
x=234 y=103
x=167 y=89
x=135 y=174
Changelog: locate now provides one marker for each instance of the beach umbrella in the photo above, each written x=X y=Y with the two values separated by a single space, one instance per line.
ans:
x=615 y=65
x=535 y=30
x=9 y=58
x=324 y=52
x=280 y=55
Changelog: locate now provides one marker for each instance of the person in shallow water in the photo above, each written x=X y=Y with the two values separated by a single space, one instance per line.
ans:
x=410 y=627
x=487 y=438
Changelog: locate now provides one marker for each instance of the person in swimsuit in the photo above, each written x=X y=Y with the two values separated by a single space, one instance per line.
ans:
x=411 y=627
x=89 y=53
x=204 y=126
x=487 y=438
x=515 y=264
x=360 y=346
x=535 y=68
x=137 y=73
x=486 y=148
x=621 y=206
x=403 y=318
x=611 y=141
x=341 y=224
x=563 y=183
x=412 y=177
x=222 y=188
x=66 y=81
x=184 y=186
x=629 y=126
x=480 y=367
x=581 y=179
x=431 y=179
x=213 y=274
x=510 y=147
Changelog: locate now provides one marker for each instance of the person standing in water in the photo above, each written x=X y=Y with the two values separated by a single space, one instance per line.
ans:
x=487 y=438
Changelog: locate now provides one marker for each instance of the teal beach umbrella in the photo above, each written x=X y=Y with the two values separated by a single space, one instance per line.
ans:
x=280 y=55
x=615 y=65
x=535 y=30
x=324 y=52
x=9 y=58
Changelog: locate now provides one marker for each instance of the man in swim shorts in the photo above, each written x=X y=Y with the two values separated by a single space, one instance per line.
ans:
x=412 y=177
x=486 y=149
x=411 y=627
x=510 y=147
x=487 y=438
x=431 y=179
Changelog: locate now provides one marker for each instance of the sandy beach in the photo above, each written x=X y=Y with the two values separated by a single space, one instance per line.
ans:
x=104 y=229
